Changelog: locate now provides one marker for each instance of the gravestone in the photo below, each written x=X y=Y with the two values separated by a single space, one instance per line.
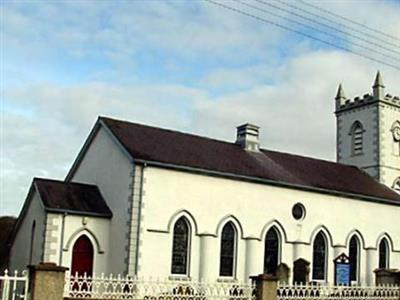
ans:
x=283 y=273
x=387 y=276
x=301 y=271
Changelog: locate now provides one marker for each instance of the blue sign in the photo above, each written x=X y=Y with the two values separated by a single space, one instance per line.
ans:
x=342 y=274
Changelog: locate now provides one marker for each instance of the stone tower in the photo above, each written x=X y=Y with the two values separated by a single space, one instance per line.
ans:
x=368 y=133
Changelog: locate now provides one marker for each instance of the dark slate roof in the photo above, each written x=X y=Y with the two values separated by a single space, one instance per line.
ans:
x=187 y=150
x=71 y=197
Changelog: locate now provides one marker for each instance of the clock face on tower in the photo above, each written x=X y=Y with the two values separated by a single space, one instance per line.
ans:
x=396 y=133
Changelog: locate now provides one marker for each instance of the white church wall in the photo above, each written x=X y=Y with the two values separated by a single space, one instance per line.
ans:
x=210 y=199
x=105 y=165
x=20 y=249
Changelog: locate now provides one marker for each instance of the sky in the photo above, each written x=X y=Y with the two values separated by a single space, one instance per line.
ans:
x=187 y=65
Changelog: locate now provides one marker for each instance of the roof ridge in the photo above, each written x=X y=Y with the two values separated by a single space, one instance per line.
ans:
x=168 y=129
x=218 y=140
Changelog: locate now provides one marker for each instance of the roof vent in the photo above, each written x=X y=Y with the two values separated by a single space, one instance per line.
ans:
x=248 y=137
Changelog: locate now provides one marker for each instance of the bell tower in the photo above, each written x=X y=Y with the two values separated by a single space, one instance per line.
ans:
x=368 y=133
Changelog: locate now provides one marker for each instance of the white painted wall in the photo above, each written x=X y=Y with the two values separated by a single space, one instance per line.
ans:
x=208 y=201
x=109 y=168
x=20 y=249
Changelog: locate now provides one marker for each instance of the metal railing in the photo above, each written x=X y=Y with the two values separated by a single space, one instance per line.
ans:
x=127 y=287
x=14 y=286
x=329 y=292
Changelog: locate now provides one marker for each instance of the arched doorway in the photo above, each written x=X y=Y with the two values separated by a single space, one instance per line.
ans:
x=82 y=257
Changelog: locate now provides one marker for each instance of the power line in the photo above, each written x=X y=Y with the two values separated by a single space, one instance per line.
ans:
x=301 y=33
x=340 y=24
x=316 y=29
x=329 y=26
x=348 y=20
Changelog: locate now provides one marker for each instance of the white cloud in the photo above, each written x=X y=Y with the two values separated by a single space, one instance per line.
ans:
x=242 y=73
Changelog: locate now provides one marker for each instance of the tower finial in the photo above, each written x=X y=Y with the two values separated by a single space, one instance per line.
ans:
x=340 y=93
x=340 y=97
x=378 y=88
x=378 y=80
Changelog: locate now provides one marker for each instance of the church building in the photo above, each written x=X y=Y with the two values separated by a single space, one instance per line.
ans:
x=146 y=201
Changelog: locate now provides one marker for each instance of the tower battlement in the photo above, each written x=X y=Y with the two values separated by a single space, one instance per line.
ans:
x=367 y=99
x=378 y=95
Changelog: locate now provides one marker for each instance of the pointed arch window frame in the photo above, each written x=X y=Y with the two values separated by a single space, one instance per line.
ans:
x=326 y=253
x=357 y=240
x=386 y=262
x=32 y=241
x=234 y=251
x=278 y=248
x=357 y=138
x=174 y=250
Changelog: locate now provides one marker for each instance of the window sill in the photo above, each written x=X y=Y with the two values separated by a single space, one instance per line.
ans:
x=179 y=278
x=318 y=282
x=227 y=279
x=358 y=154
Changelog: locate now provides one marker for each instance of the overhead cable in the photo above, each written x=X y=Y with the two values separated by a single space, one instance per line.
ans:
x=395 y=58
x=348 y=20
x=287 y=28
x=330 y=27
x=338 y=23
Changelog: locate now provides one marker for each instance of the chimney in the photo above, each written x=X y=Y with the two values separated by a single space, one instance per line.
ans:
x=248 y=137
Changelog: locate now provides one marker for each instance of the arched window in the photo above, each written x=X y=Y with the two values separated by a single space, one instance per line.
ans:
x=82 y=256
x=384 y=254
x=180 y=247
x=396 y=185
x=32 y=243
x=271 y=254
x=354 y=255
x=319 y=257
x=357 y=140
x=228 y=250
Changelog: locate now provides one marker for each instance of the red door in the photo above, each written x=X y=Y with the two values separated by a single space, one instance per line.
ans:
x=82 y=257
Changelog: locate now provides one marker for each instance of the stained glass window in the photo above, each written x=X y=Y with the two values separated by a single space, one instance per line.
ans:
x=319 y=257
x=180 y=248
x=271 y=254
x=353 y=255
x=228 y=245
x=383 y=254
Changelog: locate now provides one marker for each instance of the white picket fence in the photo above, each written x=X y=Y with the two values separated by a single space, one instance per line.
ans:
x=14 y=286
x=329 y=292
x=127 y=287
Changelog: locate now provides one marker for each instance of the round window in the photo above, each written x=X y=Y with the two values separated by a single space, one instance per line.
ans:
x=298 y=211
